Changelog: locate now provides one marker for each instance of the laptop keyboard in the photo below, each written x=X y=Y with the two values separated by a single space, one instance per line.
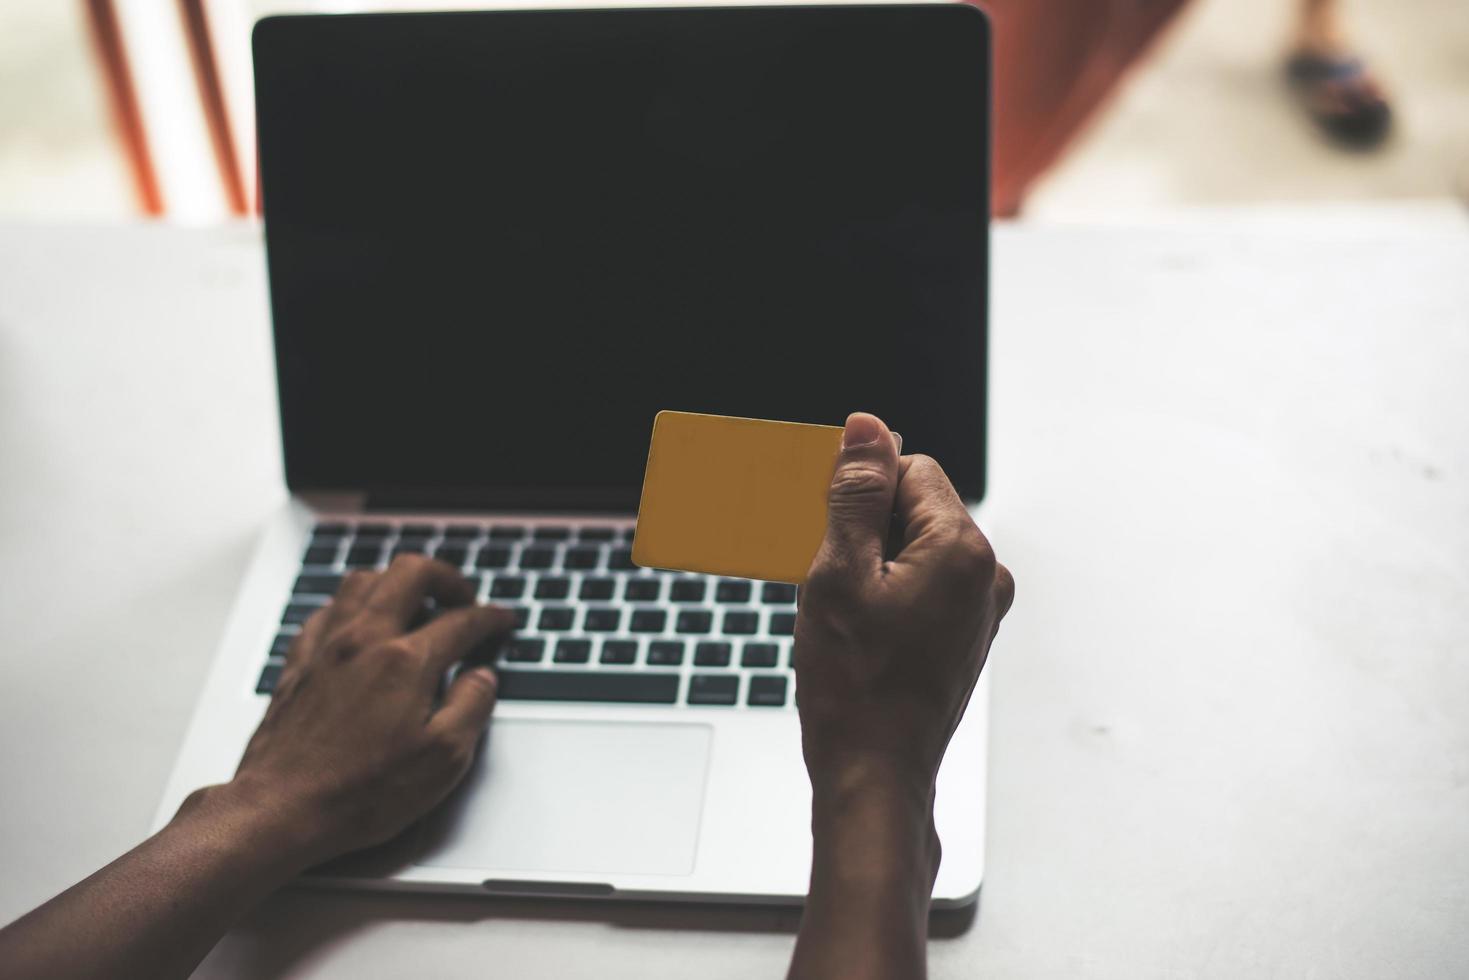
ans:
x=590 y=625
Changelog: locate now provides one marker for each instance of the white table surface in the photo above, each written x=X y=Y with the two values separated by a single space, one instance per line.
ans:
x=1230 y=727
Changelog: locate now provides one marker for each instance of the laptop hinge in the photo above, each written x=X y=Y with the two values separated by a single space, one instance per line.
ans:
x=528 y=500
x=334 y=503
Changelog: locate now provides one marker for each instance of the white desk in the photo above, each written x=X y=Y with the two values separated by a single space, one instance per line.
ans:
x=1231 y=715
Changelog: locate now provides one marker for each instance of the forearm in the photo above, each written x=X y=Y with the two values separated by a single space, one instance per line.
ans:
x=158 y=909
x=874 y=857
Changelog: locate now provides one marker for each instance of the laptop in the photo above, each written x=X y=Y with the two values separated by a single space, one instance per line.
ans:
x=498 y=244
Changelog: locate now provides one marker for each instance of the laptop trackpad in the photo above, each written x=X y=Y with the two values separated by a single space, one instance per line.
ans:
x=577 y=797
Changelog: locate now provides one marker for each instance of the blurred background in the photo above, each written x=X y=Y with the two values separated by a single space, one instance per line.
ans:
x=118 y=108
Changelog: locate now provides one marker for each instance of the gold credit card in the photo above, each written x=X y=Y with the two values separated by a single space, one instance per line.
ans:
x=732 y=496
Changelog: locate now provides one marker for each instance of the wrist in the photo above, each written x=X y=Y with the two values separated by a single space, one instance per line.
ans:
x=840 y=781
x=245 y=819
x=872 y=823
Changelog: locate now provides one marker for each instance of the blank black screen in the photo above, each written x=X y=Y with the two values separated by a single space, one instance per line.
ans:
x=500 y=243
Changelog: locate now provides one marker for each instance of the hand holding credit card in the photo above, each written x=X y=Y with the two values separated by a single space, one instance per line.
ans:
x=733 y=496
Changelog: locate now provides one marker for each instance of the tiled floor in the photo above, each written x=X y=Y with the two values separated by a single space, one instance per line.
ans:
x=1205 y=121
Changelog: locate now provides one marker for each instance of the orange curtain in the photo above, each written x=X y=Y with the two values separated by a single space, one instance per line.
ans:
x=1056 y=61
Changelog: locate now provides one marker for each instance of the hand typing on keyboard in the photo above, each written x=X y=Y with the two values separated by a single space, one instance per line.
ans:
x=352 y=745
x=892 y=630
x=351 y=750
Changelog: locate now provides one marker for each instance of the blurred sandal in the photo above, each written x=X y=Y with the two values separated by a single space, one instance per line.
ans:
x=1340 y=95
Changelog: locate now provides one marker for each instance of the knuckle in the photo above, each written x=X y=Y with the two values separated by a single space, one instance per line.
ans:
x=447 y=749
x=970 y=555
x=354 y=635
x=978 y=558
x=410 y=562
x=356 y=579
x=922 y=461
x=1004 y=586
x=859 y=479
x=482 y=682
x=397 y=648
x=926 y=466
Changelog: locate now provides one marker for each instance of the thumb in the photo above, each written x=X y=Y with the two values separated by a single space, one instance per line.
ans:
x=860 y=504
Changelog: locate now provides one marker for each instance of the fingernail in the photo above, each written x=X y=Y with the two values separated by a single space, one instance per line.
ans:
x=861 y=430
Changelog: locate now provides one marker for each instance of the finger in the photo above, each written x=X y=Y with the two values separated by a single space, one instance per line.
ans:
x=860 y=502
x=300 y=650
x=894 y=541
x=1004 y=593
x=352 y=594
x=454 y=634
x=410 y=579
x=467 y=704
x=927 y=507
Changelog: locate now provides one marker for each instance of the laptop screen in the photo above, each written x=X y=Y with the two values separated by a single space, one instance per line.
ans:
x=499 y=243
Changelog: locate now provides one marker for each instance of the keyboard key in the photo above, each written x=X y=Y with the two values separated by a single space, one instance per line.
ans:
x=462 y=532
x=620 y=560
x=507 y=532
x=525 y=650
x=410 y=546
x=507 y=587
x=640 y=686
x=767 y=691
x=553 y=588
x=759 y=655
x=522 y=616
x=711 y=654
x=493 y=556
x=597 y=533
x=741 y=621
x=665 y=653
x=556 y=618
x=475 y=583
x=320 y=555
x=642 y=589
x=537 y=557
x=269 y=677
x=454 y=554
x=374 y=530
x=573 y=651
x=551 y=532
x=602 y=620
x=598 y=589
x=582 y=557
x=281 y=645
x=732 y=590
x=330 y=541
x=335 y=529
x=687 y=590
x=418 y=530
x=694 y=621
x=297 y=613
x=778 y=592
x=648 y=621
x=317 y=585
x=714 y=688
x=364 y=554
x=619 y=651
x=782 y=623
